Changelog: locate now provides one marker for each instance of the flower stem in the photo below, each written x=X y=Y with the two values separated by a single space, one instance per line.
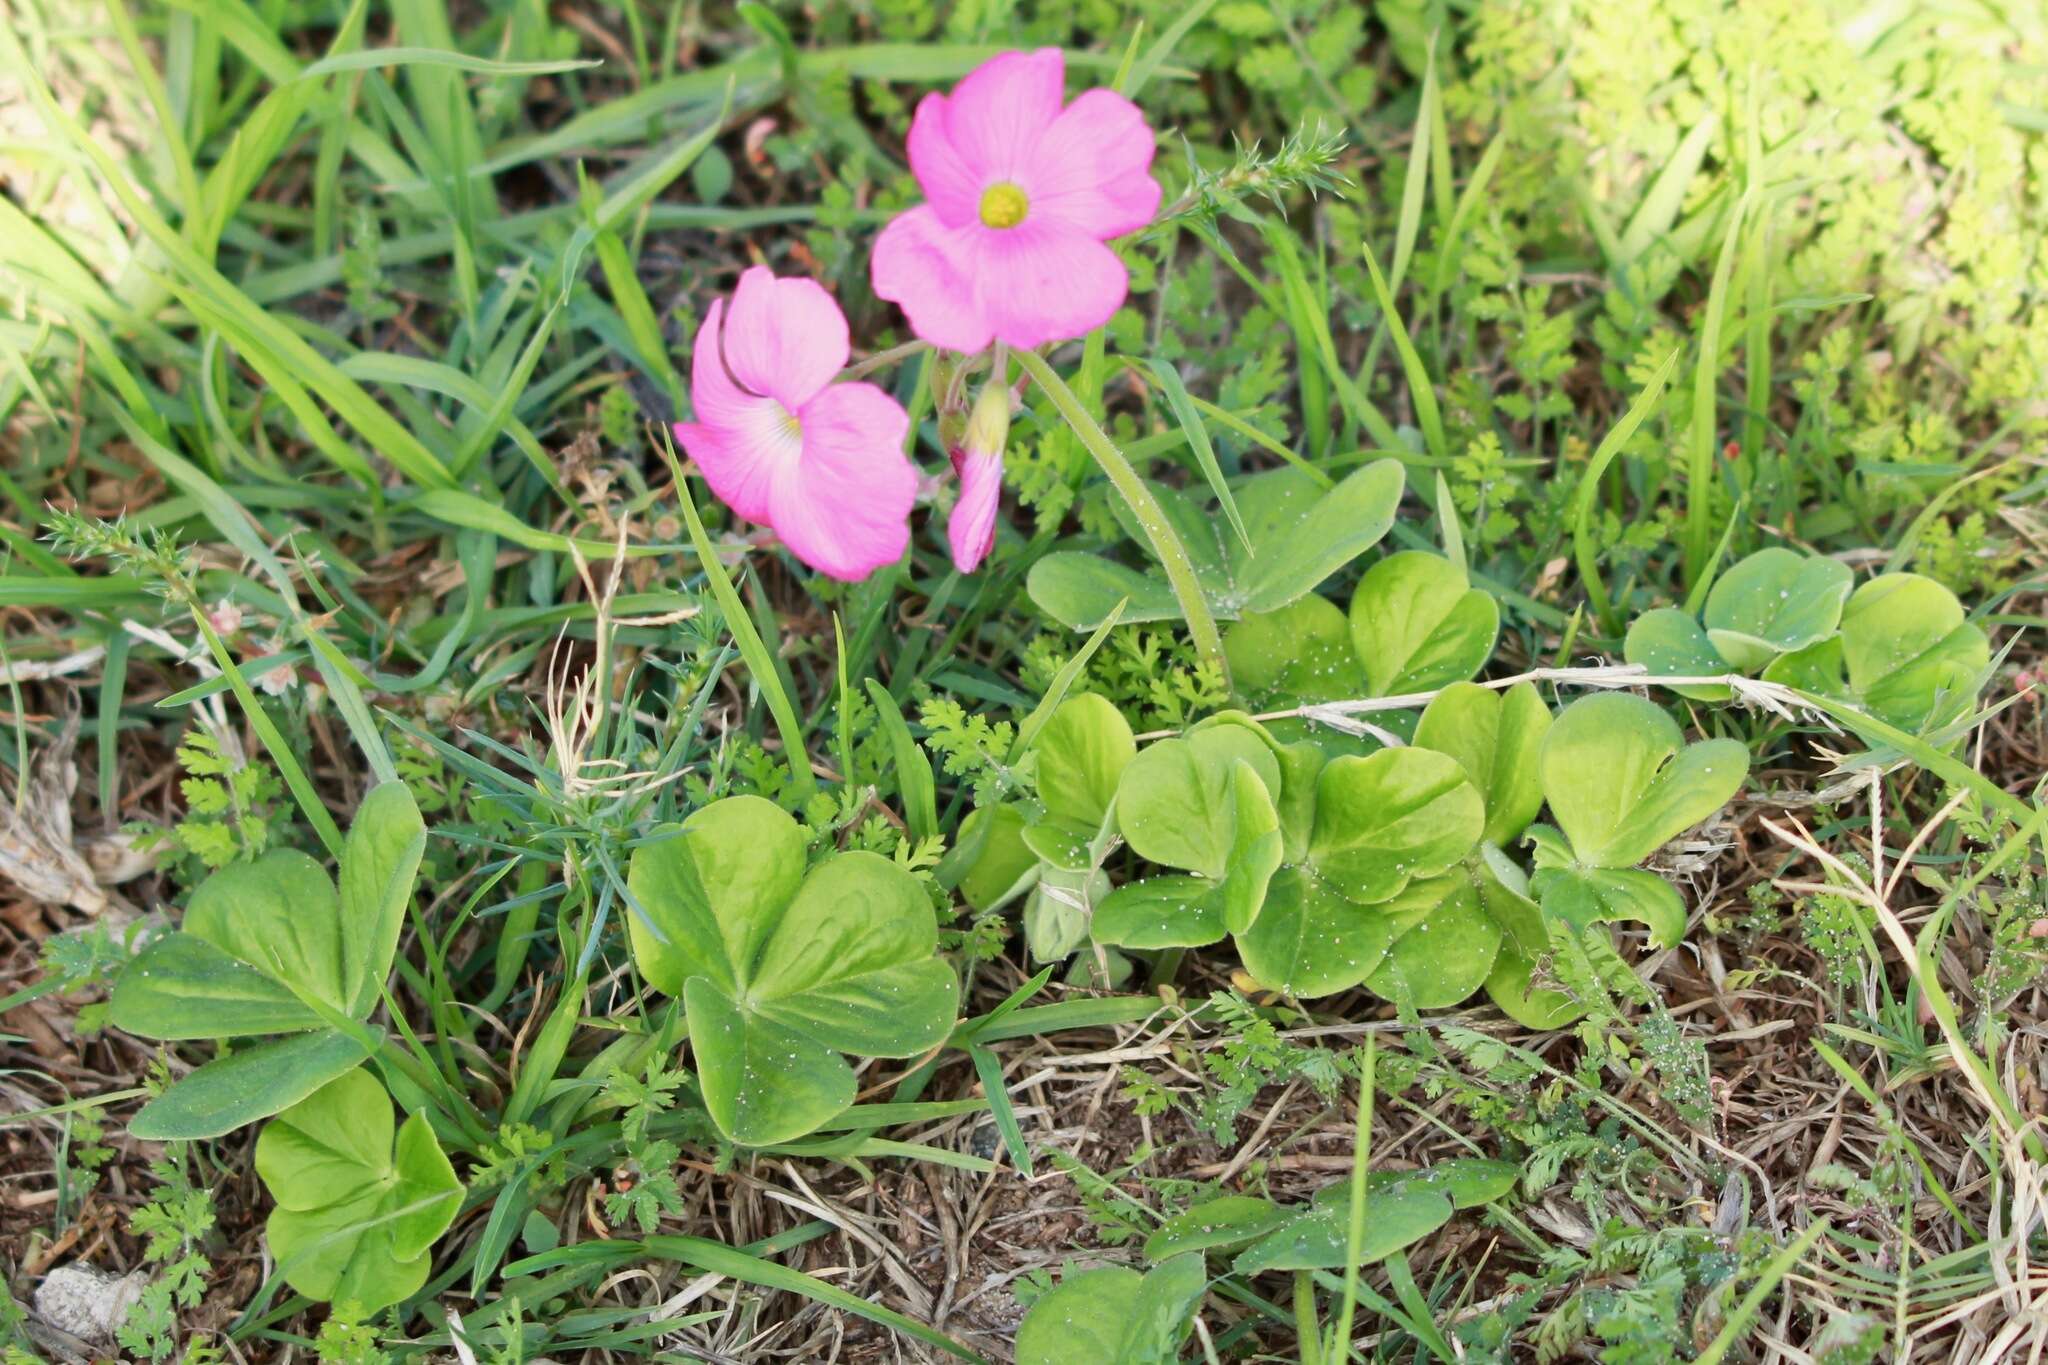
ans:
x=880 y=360
x=1166 y=546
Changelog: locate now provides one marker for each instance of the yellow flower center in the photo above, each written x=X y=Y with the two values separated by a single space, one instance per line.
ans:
x=1003 y=205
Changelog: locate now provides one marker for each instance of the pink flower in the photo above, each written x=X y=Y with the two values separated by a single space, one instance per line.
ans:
x=1021 y=195
x=971 y=529
x=781 y=444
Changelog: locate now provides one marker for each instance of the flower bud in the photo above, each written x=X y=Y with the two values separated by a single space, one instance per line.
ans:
x=978 y=460
x=988 y=425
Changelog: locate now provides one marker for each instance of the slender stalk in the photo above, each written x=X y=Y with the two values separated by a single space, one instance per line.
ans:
x=1308 y=1341
x=1361 y=1162
x=1166 y=546
x=881 y=360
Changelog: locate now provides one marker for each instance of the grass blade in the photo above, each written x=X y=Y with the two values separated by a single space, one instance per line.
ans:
x=737 y=620
x=1183 y=405
x=1610 y=446
x=1166 y=546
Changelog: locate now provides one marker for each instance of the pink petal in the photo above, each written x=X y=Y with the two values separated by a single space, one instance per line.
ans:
x=738 y=439
x=1024 y=286
x=971 y=528
x=785 y=338
x=951 y=186
x=1046 y=282
x=1090 y=170
x=995 y=115
x=845 y=510
x=922 y=266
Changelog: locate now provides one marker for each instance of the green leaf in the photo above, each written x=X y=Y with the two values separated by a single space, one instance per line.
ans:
x=1114 y=1314
x=1300 y=653
x=357 y=1214
x=1319 y=1238
x=1817 y=668
x=379 y=863
x=1467 y=1181
x=1254 y=848
x=1081 y=753
x=1448 y=951
x=1671 y=644
x=1001 y=859
x=1585 y=896
x=1080 y=591
x=1622 y=782
x=253 y=1082
x=762 y=1082
x=269 y=947
x=913 y=770
x=1912 y=657
x=280 y=915
x=1083 y=1317
x=854 y=961
x=1176 y=803
x=1184 y=412
x=782 y=971
x=1504 y=892
x=1161 y=912
x=1064 y=845
x=1418 y=625
x=182 y=986
x=1511 y=988
x=1301 y=765
x=1294 y=551
x=1311 y=941
x=1774 y=602
x=708 y=892
x=1391 y=817
x=1496 y=737
x=1059 y=909
x=1300 y=533
x=1219 y=1224
x=1166 y=545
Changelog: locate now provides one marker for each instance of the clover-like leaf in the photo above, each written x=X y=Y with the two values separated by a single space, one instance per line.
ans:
x=1392 y=817
x=1418 y=624
x=1309 y=939
x=1300 y=533
x=1299 y=653
x=269 y=947
x=998 y=859
x=1774 y=602
x=253 y=1082
x=1671 y=644
x=1115 y=1314
x=1912 y=656
x=1622 y=782
x=1081 y=590
x=1177 y=801
x=1081 y=754
x=1170 y=911
x=1445 y=945
x=1299 y=540
x=357 y=1213
x=781 y=970
x=1496 y=738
